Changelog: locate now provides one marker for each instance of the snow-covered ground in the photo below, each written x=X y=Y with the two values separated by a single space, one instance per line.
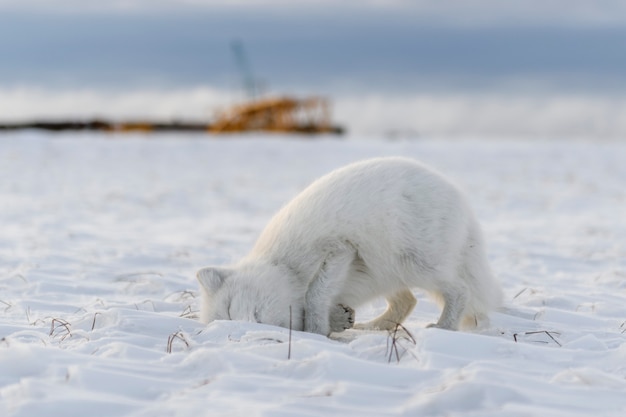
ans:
x=101 y=237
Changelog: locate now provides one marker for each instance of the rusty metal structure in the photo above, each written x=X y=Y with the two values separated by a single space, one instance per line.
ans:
x=281 y=114
x=273 y=115
x=266 y=114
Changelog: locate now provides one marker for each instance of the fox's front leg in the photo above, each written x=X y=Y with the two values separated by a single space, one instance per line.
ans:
x=320 y=296
x=341 y=318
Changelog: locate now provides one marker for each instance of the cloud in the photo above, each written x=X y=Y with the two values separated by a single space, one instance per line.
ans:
x=453 y=12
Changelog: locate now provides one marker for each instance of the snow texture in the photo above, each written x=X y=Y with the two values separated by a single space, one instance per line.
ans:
x=102 y=235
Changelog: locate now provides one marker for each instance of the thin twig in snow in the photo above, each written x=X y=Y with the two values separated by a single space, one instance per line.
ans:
x=62 y=325
x=395 y=337
x=182 y=295
x=289 y=349
x=520 y=293
x=93 y=324
x=9 y=305
x=548 y=333
x=178 y=335
x=144 y=302
x=188 y=313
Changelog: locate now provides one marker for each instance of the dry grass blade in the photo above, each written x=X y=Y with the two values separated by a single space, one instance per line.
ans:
x=93 y=324
x=181 y=295
x=188 y=313
x=9 y=305
x=397 y=335
x=520 y=293
x=178 y=335
x=546 y=332
x=33 y=323
x=289 y=349
x=145 y=302
x=60 y=327
x=623 y=327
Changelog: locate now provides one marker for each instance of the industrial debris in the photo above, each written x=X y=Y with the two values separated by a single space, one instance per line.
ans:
x=278 y=115
x=258 y=114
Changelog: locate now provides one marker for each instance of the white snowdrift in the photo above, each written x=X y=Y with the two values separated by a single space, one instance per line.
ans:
x=101 y=237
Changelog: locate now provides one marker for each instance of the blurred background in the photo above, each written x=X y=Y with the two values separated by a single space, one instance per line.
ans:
x=475 y=68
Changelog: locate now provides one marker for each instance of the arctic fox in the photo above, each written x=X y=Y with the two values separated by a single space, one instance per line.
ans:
x=374 y=228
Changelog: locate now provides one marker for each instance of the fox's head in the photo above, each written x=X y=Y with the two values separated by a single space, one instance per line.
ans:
x=255 y=294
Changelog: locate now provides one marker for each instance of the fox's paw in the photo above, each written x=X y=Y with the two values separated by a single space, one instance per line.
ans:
x=440 y=326
x=341 y=318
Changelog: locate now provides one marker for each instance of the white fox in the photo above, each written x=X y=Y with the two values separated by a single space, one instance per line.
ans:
x=374 y=228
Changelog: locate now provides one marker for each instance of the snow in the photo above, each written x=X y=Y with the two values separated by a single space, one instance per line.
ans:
x=102 y=235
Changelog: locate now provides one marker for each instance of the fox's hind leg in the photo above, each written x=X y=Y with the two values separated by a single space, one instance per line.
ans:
x=455 y=300
x=399 y=306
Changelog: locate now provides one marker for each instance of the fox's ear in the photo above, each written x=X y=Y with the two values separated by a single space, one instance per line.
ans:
x=212 y=278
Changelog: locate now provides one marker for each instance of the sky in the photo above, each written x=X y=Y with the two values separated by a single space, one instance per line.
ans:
x=375 y=46
x=449 y=67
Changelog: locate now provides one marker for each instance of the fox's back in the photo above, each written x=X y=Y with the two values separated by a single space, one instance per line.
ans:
x=378 y=204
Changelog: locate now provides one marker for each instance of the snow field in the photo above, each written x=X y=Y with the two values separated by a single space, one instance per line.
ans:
x=102 y=235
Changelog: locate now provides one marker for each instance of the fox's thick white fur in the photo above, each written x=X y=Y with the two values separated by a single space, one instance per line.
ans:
x=375 y=228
